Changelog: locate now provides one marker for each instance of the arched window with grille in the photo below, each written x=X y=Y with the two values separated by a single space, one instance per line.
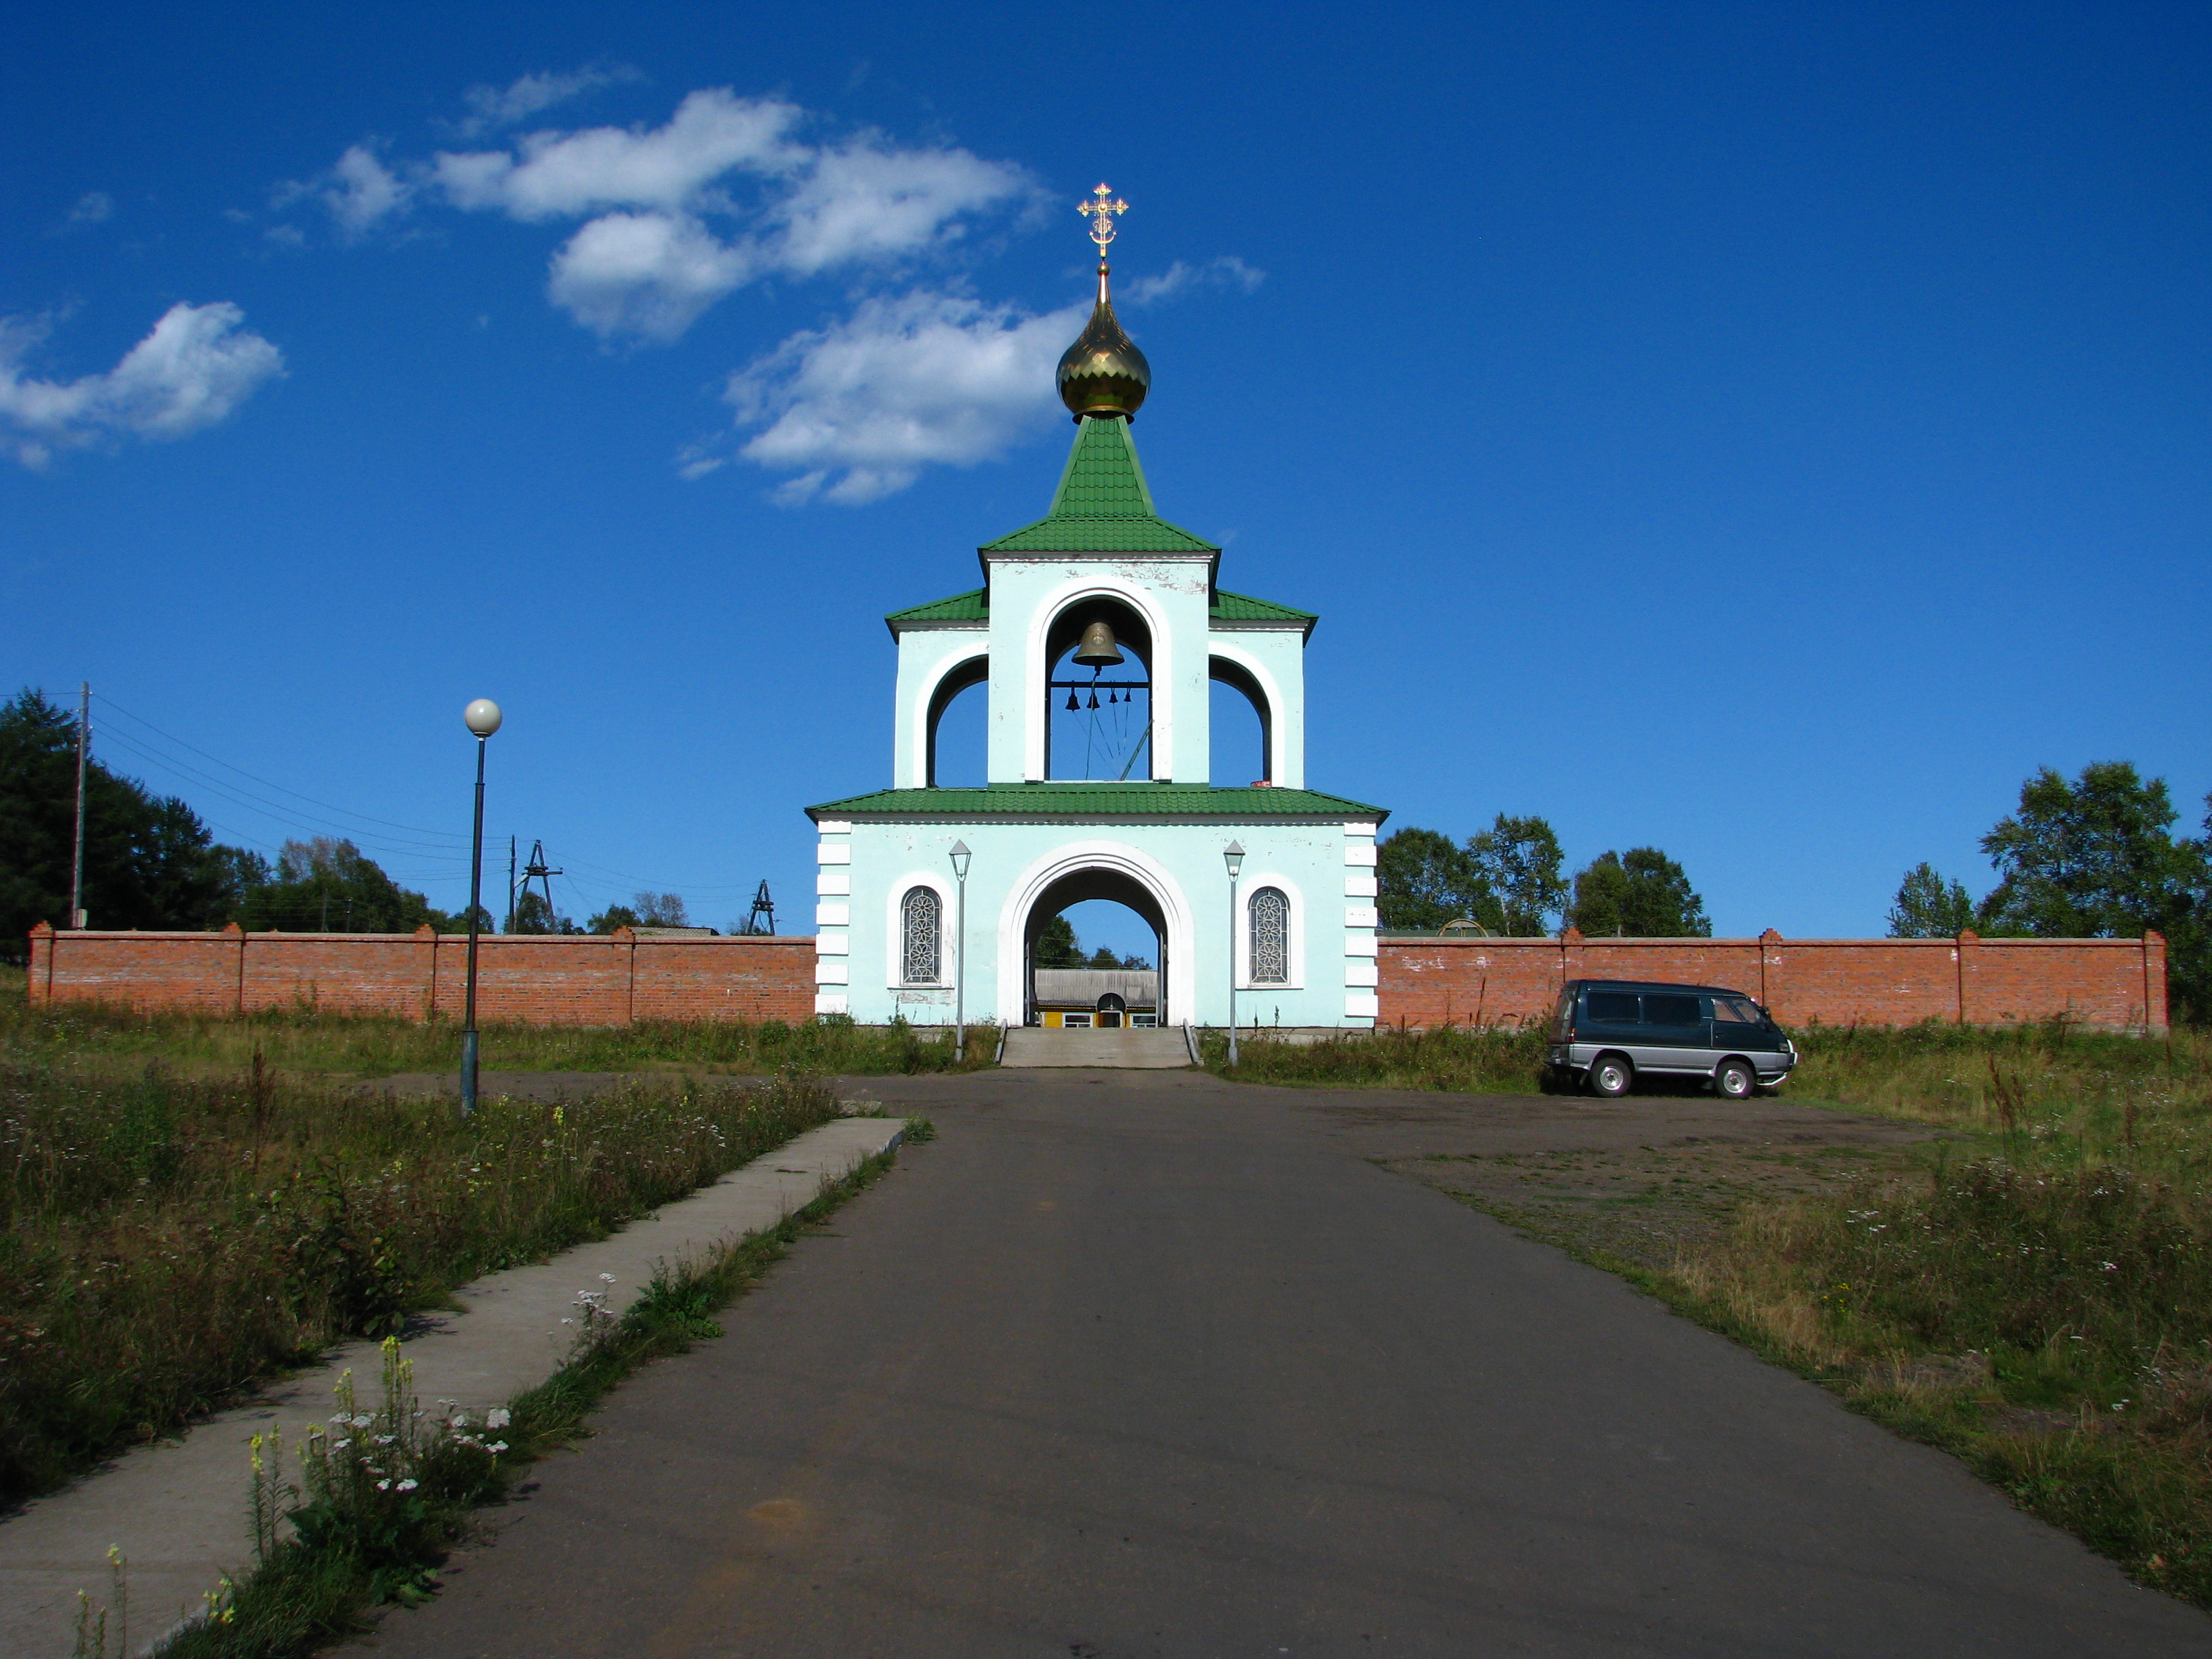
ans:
x=919 y=915
x=1270 y=914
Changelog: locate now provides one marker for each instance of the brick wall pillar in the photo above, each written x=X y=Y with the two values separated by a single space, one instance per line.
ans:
x=2155 y=1017
x=42 y=963
x=1772 y=983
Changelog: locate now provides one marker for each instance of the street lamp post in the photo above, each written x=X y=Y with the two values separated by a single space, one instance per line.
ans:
x=960 y=857
x=1233 y=856
x=483 y=717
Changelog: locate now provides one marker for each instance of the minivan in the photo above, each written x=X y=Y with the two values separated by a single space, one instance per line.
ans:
x=1605 y=1032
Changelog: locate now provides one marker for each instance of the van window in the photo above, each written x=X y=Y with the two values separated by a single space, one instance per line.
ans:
x=1616 y=1006
x=1670 y=1009
x=1563 y=1017
x=1734 y=1011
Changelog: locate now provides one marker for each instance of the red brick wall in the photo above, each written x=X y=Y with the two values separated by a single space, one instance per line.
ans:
x=535 y=981
x=2108 y=984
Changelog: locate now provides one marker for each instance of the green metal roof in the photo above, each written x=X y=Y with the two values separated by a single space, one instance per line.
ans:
x=1240 y=607
x=1084 y=800
x=1102 y=505
x=972 y=606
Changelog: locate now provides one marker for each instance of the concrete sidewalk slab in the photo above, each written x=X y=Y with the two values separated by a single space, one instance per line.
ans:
x=178 y=1509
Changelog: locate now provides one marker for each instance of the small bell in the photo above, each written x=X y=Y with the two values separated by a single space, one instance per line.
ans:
x=1094 y=696
x=1112 y=696
x=1072 y=702
x=1097 y=650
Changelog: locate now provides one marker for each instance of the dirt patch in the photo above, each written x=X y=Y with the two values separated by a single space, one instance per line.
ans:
x=1643 y=1180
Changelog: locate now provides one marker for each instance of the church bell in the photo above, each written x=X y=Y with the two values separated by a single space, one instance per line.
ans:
x=1097 y=650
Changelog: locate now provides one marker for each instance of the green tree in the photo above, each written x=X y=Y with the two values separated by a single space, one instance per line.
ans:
x=643 y=910
x=148 y=861
x=1425 y=880
x=329 y=886
x=2097 y=859
x=1103 y=957
x=1057 y=946
x=1928 y=907
x=533 y=915
x=1517 y=861
x=1642 y=893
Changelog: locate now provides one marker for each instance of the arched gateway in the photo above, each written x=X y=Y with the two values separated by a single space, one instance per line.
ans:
x=1096 y=635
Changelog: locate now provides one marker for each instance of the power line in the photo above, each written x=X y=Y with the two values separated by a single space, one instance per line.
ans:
x=343 y=811
x=289 y=816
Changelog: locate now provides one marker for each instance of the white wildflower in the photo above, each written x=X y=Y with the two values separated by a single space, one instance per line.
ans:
x=497 y=1417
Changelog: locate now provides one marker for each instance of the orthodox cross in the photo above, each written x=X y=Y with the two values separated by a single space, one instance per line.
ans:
x=1099 y=208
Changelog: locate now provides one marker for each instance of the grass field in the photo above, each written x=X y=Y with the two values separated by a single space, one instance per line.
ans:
x=77 y=1035
x=175 y=1228
x=2032 y=1290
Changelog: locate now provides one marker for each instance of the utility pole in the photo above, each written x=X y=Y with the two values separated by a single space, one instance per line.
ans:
x=510 y=883
x=762 y=919
x=537 y=870
x=83 y=746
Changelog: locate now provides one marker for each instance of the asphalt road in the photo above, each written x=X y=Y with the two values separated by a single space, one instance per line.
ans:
x=1145 y=1363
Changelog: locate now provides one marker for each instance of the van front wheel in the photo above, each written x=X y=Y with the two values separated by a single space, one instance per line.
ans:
x=1610 y=1076
x=1735 y=1079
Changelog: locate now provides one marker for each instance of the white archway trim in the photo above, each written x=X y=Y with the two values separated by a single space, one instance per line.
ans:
x=1147 y=872
x=1246 y=886
x=1279 y=769
x=926 y=694
x=895 y=929
x=1035 y=670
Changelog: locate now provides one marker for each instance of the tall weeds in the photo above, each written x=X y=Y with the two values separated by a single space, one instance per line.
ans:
x=168 y=1239
x=370 y=1046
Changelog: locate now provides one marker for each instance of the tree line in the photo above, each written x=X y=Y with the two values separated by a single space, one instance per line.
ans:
x=1508 y=880
x=2092 y=858
x=151 y=863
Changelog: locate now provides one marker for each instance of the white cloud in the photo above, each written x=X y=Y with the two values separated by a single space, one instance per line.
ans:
x=643 y=274
x=197 y=366
x=91 y=208
x=664 y=235
x=555 y=175
x=493 y=108
x=862 y=201
x=857 y=409
x=358 y=191
x=1179 y=278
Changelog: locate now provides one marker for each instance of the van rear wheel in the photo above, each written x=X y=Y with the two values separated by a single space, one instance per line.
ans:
x=1611 y=1076
x=1735 y=1079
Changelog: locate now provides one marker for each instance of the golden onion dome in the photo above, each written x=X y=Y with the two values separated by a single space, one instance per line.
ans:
x=1103 y=373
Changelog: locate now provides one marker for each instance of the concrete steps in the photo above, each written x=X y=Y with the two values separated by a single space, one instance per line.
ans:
x=1154 y=1048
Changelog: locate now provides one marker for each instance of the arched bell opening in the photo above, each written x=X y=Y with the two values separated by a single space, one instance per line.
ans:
x=1226 y=767
x=1098 y=693
x=1140 y=994
x=962 y=677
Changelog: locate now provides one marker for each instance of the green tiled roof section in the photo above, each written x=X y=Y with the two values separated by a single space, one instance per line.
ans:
x=961 y=607
x=1242 y=607
x=1078 y=800
x=1103 y=504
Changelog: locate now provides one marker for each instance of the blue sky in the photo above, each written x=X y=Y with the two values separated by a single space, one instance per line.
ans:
x=1766 y=432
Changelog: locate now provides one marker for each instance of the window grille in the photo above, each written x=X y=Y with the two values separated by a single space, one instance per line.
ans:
x=1270 y=914
x=918 y=918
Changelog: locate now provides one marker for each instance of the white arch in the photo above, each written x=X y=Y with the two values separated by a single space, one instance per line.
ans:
x=1279 y=769
x=1147 y=872
x=1036 y=669
x=925 y=695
